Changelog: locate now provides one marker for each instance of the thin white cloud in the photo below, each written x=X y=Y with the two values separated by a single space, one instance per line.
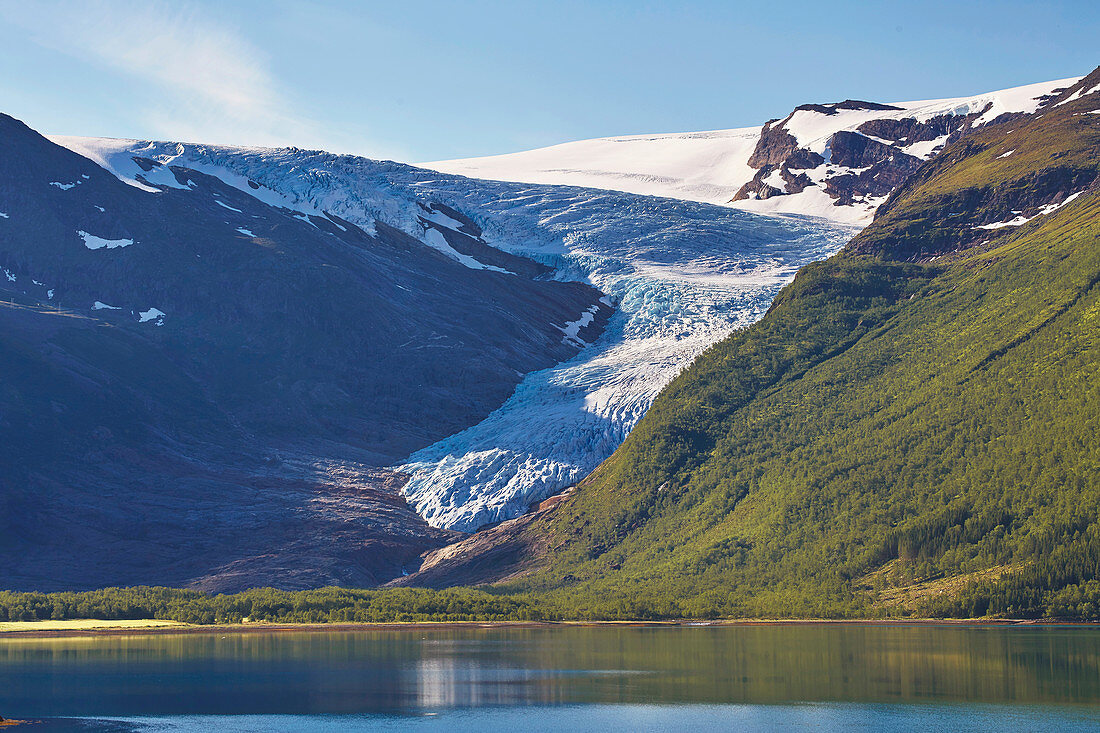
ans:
x=206 y=82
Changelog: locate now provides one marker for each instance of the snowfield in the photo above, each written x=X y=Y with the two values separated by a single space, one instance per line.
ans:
x=681 y=274
x=93 y=242
x=712 y=166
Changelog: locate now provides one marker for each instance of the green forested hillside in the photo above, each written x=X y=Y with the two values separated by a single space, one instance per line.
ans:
x=912 y=428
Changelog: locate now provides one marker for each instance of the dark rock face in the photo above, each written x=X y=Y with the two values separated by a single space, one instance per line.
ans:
x=909 y=130
x=778 y=150
x=868 y=162
x=847 y=104
x=774 y=147
x=882 y=168
x=198 y=387
x=496 y=554
x=852 y=150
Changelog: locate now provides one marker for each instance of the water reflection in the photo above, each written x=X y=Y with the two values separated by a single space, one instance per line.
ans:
x=403 y=671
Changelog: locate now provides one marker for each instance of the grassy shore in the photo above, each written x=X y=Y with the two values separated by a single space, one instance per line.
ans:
x=95 y=627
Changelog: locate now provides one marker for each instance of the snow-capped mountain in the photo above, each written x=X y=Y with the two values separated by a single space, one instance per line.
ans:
x=492 y=341
x=679 y=274
x=838 y=161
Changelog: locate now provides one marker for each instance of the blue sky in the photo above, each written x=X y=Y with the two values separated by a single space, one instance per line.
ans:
x=419 y=81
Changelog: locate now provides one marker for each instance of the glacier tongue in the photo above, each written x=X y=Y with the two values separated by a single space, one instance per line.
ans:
x=682 y=274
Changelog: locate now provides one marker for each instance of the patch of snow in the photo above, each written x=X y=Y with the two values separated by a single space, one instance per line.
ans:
x=246 y=232
x=775 y=180
x=1051 y=208
x=163 y=176
x=926 y=148
x=100 y=305
x=1005 y=155
x=441 y=219
x=63 y=186
x=9 y=275
x=1016 y=222
x=227 y=206
x=1077 y=95
x=1024 y=99
x=152 y=314
x=431 y=222
x=881 y=140
x=1021 y=220
x=813 y=201
x=117 y=157
x=101 y=209
x=3 y=215
x=93 y=242
x=49 y=294
x=572 y=329
x=435 y=239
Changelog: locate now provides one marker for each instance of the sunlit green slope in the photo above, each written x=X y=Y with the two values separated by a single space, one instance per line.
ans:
x=913 y=428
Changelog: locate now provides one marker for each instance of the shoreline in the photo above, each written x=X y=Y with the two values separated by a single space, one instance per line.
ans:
x=284 y=628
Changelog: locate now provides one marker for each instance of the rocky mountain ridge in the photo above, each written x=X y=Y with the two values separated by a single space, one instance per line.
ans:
x=838 y=160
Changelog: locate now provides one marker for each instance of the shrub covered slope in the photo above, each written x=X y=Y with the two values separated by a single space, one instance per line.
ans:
x=911 y=429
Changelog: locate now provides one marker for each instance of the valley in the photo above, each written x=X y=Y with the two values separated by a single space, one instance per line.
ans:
x=506 y=337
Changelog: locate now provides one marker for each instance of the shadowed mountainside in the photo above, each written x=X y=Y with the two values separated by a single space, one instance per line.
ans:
x=198 y=386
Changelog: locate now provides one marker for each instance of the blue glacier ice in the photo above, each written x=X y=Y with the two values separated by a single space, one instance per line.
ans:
x=682 y=275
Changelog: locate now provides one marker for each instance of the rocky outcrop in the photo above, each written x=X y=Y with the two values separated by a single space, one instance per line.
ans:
x=875 y=169
x=909 y=130
x=503 y=552
x=858 y=166
x=1023 y=183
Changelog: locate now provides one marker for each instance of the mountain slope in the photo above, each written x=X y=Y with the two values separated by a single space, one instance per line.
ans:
x=910 y=429
x=837 y=161
x=200 y=386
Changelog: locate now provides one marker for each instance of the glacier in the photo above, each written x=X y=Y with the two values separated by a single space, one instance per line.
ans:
x=681 y=274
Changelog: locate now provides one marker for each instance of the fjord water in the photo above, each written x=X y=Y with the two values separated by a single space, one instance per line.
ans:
x=643 y=678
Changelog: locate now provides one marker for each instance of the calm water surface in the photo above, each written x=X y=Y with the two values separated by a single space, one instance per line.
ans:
x=602 y=679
